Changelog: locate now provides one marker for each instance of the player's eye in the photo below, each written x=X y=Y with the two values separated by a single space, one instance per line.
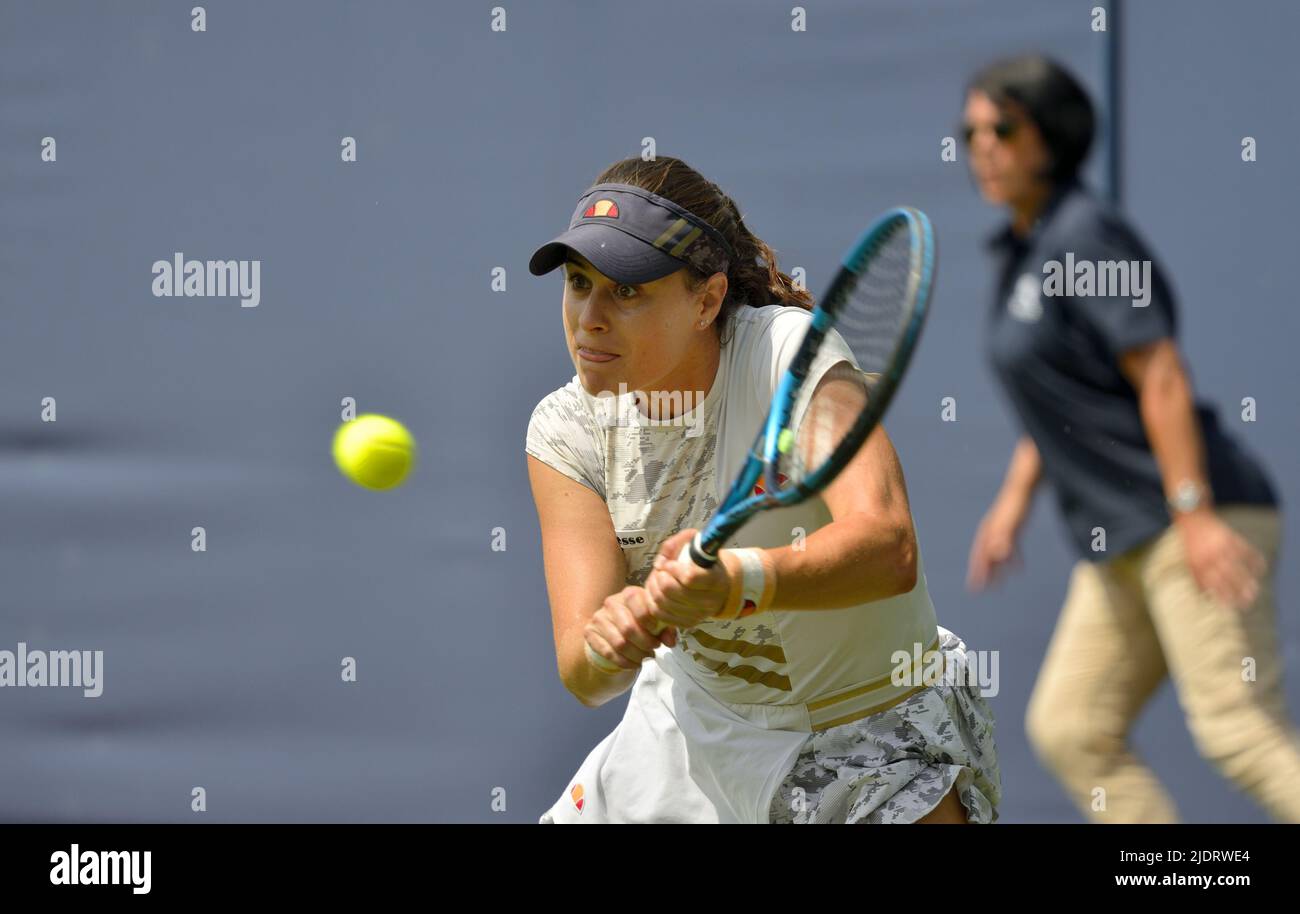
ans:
x=621 y=291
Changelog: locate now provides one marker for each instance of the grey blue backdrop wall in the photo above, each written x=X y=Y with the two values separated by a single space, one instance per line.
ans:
x=222 y=667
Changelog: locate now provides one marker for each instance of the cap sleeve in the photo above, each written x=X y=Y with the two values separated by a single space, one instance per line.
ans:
x=562 y=435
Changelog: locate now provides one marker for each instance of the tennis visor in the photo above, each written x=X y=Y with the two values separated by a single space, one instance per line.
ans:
x=634 y=236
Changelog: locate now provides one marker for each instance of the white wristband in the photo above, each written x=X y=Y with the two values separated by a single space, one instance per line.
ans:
x=753 y=578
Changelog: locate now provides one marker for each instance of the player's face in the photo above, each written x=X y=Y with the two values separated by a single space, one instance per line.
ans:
x=1007 y=154
x=634 y=334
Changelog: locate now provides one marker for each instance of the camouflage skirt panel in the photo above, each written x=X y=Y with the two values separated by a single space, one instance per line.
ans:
x=895 y=766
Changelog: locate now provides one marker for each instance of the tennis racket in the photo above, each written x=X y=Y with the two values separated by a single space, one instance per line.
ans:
x=877 y=304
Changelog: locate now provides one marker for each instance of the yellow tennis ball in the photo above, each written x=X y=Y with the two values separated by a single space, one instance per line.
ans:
x=374 y=451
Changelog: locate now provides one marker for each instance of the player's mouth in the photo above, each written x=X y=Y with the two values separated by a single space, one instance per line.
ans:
x=596 y=355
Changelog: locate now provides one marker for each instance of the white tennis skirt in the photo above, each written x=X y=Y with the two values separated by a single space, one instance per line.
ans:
x=680 y=755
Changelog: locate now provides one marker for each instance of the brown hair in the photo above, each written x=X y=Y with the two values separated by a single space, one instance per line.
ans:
x=753 y=280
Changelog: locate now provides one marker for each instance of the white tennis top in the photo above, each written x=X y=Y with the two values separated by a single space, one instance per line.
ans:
x=785 y=672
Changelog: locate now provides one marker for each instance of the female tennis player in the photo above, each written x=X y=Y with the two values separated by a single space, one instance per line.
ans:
x=813 y=709
x=1176 y=527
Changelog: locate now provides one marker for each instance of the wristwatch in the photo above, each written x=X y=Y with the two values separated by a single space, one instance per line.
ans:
x=1188 y=496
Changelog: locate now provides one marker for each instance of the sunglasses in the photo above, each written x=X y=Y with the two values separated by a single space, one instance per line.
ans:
x=1004 y=130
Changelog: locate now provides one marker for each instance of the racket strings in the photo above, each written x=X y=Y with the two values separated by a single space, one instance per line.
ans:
x=839 y=399
x=870 y=318
x=873 y=313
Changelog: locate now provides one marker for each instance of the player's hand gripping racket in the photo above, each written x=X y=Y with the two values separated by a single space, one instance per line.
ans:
x=877 y=304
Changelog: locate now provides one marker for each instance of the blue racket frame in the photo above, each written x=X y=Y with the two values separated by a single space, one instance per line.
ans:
x=764 y=455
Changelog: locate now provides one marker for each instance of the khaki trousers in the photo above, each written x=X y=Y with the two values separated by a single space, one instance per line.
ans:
x=1126 y=624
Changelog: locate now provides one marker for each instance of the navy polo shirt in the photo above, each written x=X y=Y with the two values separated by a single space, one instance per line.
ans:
x=1057 y=358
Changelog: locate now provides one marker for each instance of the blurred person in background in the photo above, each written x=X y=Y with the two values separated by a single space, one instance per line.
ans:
x=1176 y=527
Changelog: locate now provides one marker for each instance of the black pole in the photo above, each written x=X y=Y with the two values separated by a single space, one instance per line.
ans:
x=1114 y=111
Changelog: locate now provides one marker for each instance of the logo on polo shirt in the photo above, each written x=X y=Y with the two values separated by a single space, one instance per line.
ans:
x=606 y=208
x=1025 y=303
x=576 y=796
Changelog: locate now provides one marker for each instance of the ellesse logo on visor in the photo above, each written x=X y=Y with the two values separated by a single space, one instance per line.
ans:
x=606 y=208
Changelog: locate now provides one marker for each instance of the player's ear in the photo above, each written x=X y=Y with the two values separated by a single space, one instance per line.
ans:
x=712 y=293
x=717 y=293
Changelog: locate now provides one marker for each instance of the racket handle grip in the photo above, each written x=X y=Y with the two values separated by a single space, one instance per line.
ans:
x=692 y=552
